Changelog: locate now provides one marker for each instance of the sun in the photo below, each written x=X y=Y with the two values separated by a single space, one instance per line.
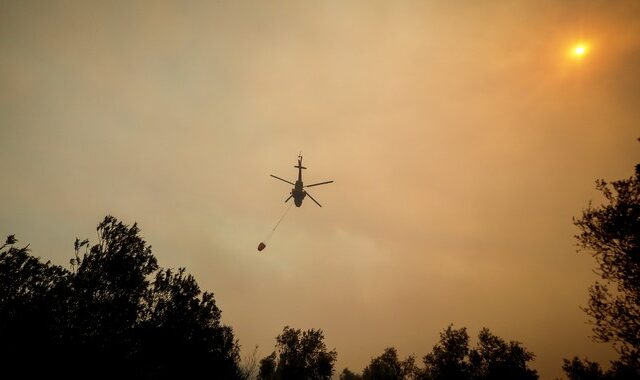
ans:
x=579 y=50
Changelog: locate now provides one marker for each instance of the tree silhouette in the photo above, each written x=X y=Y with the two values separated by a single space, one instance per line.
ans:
x=33 y=298
x=583 y=370
x=268 y=366
x=493 y=358
x=452 y=358
x=389 y=367
x=349 y=375
x=447 y=360
x=107 y=297
x=117 y=314
x=299 y=355
x=611 y=234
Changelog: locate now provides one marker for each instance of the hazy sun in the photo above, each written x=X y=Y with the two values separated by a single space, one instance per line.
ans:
x=579 y=50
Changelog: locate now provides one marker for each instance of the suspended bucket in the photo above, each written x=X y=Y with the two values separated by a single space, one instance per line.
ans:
x=261 y=246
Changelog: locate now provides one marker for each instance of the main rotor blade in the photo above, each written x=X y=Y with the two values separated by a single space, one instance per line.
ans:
x=288 y=198
x=321 y=183
x=284 y=180
x=312 y=198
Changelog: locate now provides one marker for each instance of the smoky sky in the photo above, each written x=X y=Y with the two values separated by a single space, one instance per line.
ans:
x=461 y=137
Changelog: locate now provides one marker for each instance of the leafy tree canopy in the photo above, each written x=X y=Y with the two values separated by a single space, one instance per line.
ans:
x=452 y=359
x=611 y=234
x=389 y=367
x=116 y=313
x=299 y=355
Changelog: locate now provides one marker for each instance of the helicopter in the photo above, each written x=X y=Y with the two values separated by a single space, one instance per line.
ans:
x=298 y=192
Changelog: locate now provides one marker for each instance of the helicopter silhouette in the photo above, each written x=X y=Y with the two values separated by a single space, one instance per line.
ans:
x=298 y=192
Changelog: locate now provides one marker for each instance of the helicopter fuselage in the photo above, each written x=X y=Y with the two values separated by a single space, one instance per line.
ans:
x=298 y=193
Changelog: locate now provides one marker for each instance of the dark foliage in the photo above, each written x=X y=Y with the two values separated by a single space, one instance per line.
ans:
x=492 y=358
x=299 y=355
x=576 y=369
x=448 y=359
x=389 y=367
x=611 y=234
x=587 y=370
x=349 y=375
x=116 y=314
x=34 y=299
x=452 y=358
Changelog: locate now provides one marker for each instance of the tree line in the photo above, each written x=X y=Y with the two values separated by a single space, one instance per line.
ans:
x=116 y=313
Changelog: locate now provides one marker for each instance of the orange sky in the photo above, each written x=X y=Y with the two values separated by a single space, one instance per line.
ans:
x=462 y=138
